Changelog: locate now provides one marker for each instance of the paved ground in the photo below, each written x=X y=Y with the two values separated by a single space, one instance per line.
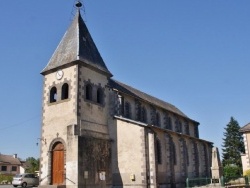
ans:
x=6 y=186
x=10 y=186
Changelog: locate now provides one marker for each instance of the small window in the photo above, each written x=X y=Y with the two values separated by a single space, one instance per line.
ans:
x=53 y=95
x=3 y=168
x=88 y=92
x=99 y=96
x=14 y=168
x=65 y=91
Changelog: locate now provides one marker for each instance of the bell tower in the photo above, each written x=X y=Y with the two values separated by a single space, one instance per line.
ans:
x=74 y=105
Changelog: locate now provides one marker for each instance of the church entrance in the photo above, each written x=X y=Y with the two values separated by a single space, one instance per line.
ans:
x=57 y=166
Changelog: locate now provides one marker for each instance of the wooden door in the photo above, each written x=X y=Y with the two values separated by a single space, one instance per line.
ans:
x=57 y=165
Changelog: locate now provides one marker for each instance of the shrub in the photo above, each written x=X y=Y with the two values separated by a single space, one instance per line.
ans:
x=232 y=171
x=4 y=177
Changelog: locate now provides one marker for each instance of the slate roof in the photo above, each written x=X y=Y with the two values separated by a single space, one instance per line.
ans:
x=77 y=45
x=245 y=128
x=148 y=98
x=9 y=159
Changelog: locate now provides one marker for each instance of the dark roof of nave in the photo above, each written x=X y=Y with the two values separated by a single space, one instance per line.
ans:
x=245 y=128
x=123 y=88
x=77 y=45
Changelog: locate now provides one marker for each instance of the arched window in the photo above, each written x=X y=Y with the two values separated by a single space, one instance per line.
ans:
x=138 y=110
x=186 y=125
x=127 y=110
x=99 y=96
x=180 y=126
x=53 y=95
x=65 y=91
x=158 y=120
x=170 y=127
x=153 y=115
x=88 y=92
x=168 y=122
x=144 y=115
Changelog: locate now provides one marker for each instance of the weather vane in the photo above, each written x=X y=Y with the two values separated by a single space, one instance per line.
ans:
x=78 y=4
x=77 y=7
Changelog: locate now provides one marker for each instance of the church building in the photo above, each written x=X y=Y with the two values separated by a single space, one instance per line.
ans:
x=99 y=132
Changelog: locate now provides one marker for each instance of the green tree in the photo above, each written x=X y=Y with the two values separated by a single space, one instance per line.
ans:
x=232 y=171
x=233 y=146
x=32 y=165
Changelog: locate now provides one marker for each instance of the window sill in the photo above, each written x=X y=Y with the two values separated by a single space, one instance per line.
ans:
x=58 y=102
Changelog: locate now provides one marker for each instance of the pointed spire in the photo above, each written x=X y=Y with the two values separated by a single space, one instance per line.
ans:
x=77 y=45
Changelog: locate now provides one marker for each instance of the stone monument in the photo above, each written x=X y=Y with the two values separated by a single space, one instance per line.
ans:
x=216 y=168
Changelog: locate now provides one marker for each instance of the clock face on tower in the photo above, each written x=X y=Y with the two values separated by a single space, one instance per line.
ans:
x=59 y=74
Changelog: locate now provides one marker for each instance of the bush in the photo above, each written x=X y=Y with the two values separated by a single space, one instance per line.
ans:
x=7 y=178
x=232 y=171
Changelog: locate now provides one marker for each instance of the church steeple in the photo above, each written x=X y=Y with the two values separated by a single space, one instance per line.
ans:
x=77 y=45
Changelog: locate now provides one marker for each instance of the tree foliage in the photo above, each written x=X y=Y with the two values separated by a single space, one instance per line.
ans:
x=233 y=145
x=32 y=165
x=232 y=171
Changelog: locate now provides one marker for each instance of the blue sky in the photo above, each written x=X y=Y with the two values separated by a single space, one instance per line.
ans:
x=193 y=54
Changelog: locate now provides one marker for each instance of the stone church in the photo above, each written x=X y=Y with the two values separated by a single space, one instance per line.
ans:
x=99 y=132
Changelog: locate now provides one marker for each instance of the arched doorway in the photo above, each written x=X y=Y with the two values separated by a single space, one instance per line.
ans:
x=57 y=166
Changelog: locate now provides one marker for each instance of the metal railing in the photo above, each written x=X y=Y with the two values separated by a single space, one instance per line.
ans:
x=195 y=182
x=227 y=182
